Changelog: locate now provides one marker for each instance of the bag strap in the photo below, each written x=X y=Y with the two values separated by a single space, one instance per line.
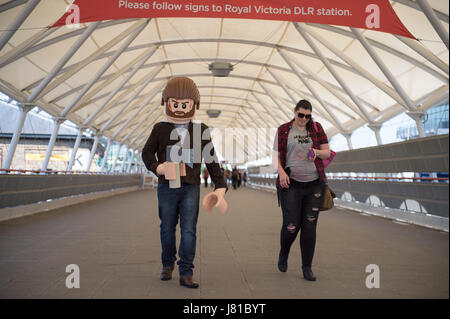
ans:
x=315 y=127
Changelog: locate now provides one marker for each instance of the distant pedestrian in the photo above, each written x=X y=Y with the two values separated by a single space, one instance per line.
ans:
x=239 y=178
x=244 y=178
x=234 y=178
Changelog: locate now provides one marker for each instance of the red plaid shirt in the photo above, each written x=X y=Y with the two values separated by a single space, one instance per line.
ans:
x=318 y=138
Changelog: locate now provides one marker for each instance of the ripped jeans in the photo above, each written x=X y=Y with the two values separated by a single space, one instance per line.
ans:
x=300 y=205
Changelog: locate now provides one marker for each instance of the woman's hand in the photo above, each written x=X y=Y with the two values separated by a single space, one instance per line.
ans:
x=324 y=152
x=284 y=179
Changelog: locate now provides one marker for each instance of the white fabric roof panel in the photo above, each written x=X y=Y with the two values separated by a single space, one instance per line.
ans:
x=189 y=45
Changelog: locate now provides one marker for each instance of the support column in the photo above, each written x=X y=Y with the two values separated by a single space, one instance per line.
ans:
x=75 y=148
x=137 y=167
x=124 y=159
x=143 y=168
x=93 y=150
x=105 y=155
x=24 y=109
x=376 y=129
x=133 y=153
x=418 y=118
x=138 y=164
x=56 y=124
x=115 y=159
x=348 y=137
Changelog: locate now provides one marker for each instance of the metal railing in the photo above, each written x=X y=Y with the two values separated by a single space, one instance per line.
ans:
x=22 y=187
x=52 y=172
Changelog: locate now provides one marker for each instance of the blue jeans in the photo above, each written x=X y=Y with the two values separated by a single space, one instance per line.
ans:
x=180 y=202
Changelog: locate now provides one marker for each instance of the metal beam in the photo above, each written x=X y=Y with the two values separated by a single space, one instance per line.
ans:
x=133 y=155
x=60 y=38
x=325 y=85
x=11 y=4
x=133 y=116
x=386 y=48
x=106 y=78
x=387 y=73
x=144 y=118
x=89 y=120
x=281 y=81
x=43 y=84
x=145 y=129
x=266 y=115
x=79 y=66
x=312 y=90
x=294 y=101
x=333 y=72
x=141 y=59
x=75 y=148
x=15 y=25
x=134 y=33
x=36 y=38
x=425 y=52
x=23 y=111
x=105 y=155
x=113 y=167
x=413 y=4
x=93 y=151
x=131 y=89
x=249 y=42
x=362 y=71
x=331 y=105
x=124 y=159
x=287 y=115
x=348 y=137
x=143 y=86
x=56 y=124
x=432 y=17
x=265 y=147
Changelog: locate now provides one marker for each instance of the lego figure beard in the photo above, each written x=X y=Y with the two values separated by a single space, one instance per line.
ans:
x=179 y=111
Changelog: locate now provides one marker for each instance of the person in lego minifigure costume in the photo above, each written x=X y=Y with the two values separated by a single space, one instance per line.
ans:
x=174 y=153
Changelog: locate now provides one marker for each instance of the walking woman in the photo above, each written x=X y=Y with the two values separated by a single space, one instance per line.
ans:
x=299 y=148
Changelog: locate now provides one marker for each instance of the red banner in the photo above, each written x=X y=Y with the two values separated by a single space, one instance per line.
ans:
x=375 y=15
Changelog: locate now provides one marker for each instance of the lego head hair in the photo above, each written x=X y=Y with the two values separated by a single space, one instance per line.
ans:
x=181 y=88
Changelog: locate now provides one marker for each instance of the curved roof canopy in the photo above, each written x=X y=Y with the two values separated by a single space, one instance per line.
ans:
x=109 y=75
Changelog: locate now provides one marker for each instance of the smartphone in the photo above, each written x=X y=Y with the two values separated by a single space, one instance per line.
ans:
x=311 y=154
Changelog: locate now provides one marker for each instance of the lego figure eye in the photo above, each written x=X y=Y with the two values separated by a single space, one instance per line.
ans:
x=175 y=105
x=184 y=105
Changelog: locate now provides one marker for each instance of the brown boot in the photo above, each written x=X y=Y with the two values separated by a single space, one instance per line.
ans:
x=166 y=273
x=187 y=282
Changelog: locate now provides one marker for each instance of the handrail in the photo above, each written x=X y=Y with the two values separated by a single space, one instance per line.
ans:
x=388 y=178
x=60 y=172
x=377 y=177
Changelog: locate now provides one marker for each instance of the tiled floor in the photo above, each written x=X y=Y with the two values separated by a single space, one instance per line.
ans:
x=115 y=242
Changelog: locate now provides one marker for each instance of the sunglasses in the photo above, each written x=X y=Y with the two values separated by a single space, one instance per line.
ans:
x=302 y=115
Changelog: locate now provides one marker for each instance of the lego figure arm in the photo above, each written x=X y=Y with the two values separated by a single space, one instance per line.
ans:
x=149 y=153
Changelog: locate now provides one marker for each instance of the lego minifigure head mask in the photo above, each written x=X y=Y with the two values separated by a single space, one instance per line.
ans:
x=180 y=98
